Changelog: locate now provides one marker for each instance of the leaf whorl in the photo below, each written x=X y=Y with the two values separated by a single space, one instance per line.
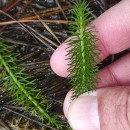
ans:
x=81 y=51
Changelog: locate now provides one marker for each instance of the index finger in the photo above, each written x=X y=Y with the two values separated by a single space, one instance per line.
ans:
x=113 y=32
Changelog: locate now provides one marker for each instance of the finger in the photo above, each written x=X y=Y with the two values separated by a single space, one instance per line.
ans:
x=116 y=74
x=113 y=30
x=109 y=109
x=77 y=112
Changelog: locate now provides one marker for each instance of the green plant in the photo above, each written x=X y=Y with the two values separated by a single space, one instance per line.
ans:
x=21 y=88
x=82 y=51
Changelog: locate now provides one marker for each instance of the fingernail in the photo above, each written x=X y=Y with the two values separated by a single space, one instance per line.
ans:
x=83 y=113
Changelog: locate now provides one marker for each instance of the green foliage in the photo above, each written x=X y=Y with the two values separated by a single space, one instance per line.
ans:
x=21 y=88
x=81 y=51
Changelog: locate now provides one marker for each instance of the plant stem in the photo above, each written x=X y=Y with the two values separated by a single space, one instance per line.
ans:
x=23 y=89
x=81 y=32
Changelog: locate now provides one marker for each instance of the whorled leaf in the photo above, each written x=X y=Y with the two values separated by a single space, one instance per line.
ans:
x=82 y=51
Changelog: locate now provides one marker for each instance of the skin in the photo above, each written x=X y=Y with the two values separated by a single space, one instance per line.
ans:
x=113 y=90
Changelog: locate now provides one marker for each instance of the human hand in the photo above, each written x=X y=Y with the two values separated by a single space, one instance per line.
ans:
x=110 y=104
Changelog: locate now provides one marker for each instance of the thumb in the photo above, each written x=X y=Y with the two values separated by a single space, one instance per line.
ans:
x=105 y=109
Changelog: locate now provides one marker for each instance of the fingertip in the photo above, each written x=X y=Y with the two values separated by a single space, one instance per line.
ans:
x=83 y=113
x=58 y=61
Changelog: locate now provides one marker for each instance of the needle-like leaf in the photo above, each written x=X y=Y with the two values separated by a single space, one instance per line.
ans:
x=22 y=89
x=82 y=50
